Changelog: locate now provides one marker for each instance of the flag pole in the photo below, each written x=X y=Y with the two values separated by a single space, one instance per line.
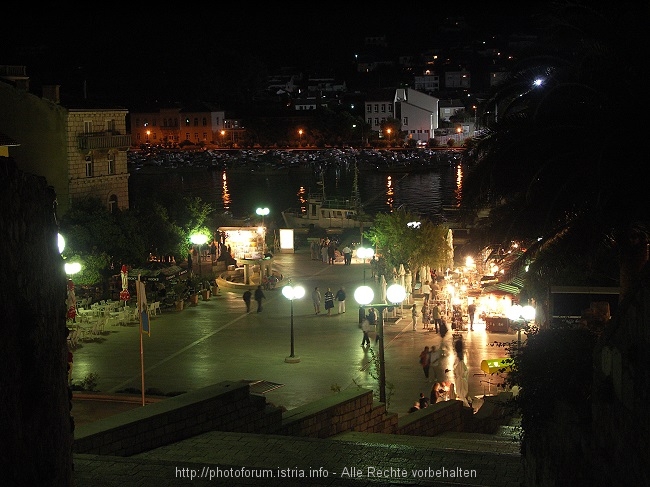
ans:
x=138 y=284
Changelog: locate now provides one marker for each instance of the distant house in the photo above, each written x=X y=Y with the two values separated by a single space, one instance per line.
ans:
x=79 y=146
x=418 y=114
x=169 y=126
x=449 y=108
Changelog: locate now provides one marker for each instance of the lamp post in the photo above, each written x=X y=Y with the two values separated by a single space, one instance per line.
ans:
x=300 y=136
x=364 y=295
x=263 y=212
x=199 y=239
x=365 y=253
x=388 y=131
x=292 y=292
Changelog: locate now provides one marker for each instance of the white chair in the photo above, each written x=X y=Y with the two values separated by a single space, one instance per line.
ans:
x=73 y=337
x=156 y=307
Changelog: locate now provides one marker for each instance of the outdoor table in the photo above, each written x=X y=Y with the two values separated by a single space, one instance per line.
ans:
x=500 y=324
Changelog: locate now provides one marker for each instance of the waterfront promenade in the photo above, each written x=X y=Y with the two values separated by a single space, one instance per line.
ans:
x=217 y=340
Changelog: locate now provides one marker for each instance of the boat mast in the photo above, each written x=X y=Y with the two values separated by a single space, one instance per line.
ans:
x=356 y=199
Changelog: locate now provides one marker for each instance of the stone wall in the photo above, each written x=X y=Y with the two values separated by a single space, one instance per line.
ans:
x=229 y=406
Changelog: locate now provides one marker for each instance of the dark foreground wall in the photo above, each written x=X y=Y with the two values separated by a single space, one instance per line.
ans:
x=35 y=429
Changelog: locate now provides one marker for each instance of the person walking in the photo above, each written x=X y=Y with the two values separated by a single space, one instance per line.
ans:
x=471 y=311
x=315 y=298
x=414 y=316
x=435 y=316
x=331 y=252
x=366 y=328
x=425 y=316
x=259 y=296
x=329 y=301
x=425 y=362
x=426 y=291
x=461 y=374
x=340 y=297
x=372 y=319
x=247 y=299
x=347 y=255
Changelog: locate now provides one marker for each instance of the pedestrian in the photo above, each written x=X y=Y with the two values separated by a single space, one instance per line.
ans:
x=471 y=311
x=425 y=316
x=414 y=315
x=331 y=252
x=315 y=298
x=347 y=255
x=426 y=291
x=443 y=328
x=259 y=296
x=461 y=374
x=425 y=362
x=247 y=299
x=415 y=407
x=372 y=319
x=435 y=316
x=340 y=297
x=435 y=361
x=423 y=402
x=366 y=328
x=329 y=301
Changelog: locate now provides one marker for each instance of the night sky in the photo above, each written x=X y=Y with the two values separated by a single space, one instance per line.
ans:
x=176 y=51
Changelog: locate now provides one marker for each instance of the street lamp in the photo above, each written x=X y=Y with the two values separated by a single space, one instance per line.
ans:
x=520 y=316
x=223 y=136
x=365 y=253
x=199 y=239
x=292 y=292
x=300 y=135
x=262 y=212
x=364 y=295
x=388 y=131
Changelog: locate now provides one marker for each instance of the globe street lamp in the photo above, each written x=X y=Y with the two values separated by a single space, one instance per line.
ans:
x=262 y=212
x=520 y=316
x=292 y=292
x=199 y=239
x=365 y=253
x=364 y=295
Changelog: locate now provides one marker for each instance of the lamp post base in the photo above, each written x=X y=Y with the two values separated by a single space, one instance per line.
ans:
x=292 y=360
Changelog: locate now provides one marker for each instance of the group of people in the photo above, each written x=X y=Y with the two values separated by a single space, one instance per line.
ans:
x=432 y=318
x=327 y=250
x=258 y=295
x=431 y=360
x=328 y=300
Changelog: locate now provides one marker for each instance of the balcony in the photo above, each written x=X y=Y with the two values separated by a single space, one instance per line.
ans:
x=103 y=140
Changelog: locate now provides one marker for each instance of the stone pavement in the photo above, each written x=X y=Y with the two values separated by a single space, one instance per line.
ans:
x=217 y=340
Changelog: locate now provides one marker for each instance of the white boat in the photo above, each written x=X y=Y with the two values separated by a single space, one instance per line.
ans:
x=328 y=213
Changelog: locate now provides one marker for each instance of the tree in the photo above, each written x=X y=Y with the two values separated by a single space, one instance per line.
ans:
x=399 y=241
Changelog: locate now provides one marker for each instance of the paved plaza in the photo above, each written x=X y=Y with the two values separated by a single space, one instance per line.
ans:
x=217 y=340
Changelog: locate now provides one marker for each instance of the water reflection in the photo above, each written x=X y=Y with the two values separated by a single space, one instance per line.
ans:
x=225 y=195
x=239 y=192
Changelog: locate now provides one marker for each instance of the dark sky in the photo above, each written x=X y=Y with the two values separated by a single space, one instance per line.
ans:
x=124 y=47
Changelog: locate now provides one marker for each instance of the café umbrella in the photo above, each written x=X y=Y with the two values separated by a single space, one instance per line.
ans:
x=124 y=293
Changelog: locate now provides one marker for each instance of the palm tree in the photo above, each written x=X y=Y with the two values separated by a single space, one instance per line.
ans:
x=551 y=168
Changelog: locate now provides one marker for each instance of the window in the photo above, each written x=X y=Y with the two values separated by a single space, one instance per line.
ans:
x=187 y=136
x=88 y=127
x=154 y=122
x=205 y=122
x=383 y=108
x=110 y=125
x=205 y=136
x=369 y=108
x=376 y=107
x=89 y=166
x=111 y=163
x=369 y=121
x=196 y=122
x=405 y=121
x=187 y=122
x=376 y=121
x=112 y=204
x=137 y=122
x=164 y=122
x=196 y=136
x=390 y=108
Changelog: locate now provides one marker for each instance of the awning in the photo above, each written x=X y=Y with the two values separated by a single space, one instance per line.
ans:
x=159 y=273
x=496 y=365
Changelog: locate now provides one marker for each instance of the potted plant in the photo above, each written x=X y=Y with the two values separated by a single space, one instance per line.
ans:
x=179 y=290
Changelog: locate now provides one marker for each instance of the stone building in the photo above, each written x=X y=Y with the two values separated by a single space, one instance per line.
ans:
x=78 y=145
